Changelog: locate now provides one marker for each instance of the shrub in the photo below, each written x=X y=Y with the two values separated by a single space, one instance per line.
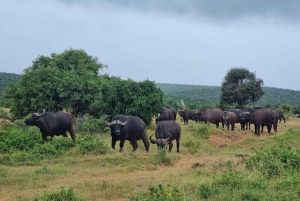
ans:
x=62 y=195
x=161 y=193
x=275 y=160
x=89 y=124
x=203 y=131
x=92 y=145
x=161 y=157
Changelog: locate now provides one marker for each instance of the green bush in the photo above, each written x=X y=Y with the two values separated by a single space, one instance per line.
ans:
x=20 y=147
x=203 y=131
x=89 y=124
x=274 y=161
x=92 y=145
x=192 y=145
x=63 y=195
x=161 y=193
x=161 y=157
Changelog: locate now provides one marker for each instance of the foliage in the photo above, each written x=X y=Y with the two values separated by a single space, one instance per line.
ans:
x=63 y=195
x=275 y=161
x=4 y=114
x=240 y=87
x=92 y=145
x=90 y=124
x=127 y=97
x=161 y=193
x=62 y=81
x=161 y=157
x=19 y=147
x=5 y=80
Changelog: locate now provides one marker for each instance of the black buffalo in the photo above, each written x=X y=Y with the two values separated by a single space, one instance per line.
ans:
x=280 y=114
x=53 y=123
x=212 y=115
x=129 y=128
x=263 y=117
x=189 y=114
x=167 y=113
x=166 y=132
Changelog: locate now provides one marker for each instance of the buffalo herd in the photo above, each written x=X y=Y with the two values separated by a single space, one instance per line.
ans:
x=132 y=128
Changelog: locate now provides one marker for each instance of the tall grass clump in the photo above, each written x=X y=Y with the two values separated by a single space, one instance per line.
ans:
x=161 y=193
x=92 y=145
x=63 y=195
x=161 y=157
x=203 y=131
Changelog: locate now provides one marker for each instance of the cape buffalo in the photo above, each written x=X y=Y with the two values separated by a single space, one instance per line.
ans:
x=166 y=132
x=189 y=114
x=229 y=118
x=280 y=114
x=129 y=128
x=212 y=115
x=167 y=113
x=261 y=118
x=53 y=123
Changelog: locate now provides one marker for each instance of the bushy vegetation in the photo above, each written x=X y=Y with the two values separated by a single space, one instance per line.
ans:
x=63 y=195
x=92 y=145
x=161 y=193
x=25 y=147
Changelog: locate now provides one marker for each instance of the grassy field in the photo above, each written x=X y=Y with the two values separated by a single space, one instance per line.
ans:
x=211 y=165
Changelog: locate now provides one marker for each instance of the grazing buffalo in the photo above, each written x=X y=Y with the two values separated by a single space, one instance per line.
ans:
x=229 y=118
x=261 y=118
x=166 y=132
x=53 y=123
x=280 y=114
x=129 y=128
x=212 y=115
x=167 y=113
x=189 y=114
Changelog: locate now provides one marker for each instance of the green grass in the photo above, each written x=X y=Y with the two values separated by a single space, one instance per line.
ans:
x=247 y=168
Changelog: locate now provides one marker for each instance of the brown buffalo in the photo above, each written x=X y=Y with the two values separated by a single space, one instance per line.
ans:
x=212 y=115
x=229 y=118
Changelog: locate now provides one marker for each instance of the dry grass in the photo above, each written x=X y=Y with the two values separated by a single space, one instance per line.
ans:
x=97 y=177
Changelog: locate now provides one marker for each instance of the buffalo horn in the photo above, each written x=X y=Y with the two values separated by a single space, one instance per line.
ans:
x=123 y=123
x=36 y=114
x=105 y=122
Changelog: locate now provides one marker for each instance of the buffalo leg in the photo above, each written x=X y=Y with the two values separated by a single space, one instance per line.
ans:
x=121 y=145
x=134 y=145
x=177 y=144
x=232 y=126
x=113 y=143
x=72 y=133
x=170 y=146
x=146 y=142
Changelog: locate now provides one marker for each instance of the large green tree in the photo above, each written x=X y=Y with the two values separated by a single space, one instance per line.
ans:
x=62 y=81
x=142 y=99
x=240 y=87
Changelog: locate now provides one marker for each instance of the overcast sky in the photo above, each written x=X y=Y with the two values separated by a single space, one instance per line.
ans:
x=167 y=41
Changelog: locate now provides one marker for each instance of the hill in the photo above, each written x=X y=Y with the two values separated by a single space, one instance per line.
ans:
x=6 y=78
x=199 y=95
x=196 y=95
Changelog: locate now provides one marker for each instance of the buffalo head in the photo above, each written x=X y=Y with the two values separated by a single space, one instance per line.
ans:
x=33 y=120
x=160 y=142
x=116 y=125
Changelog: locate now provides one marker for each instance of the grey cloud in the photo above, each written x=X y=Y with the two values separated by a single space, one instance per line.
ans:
x=216 y=10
